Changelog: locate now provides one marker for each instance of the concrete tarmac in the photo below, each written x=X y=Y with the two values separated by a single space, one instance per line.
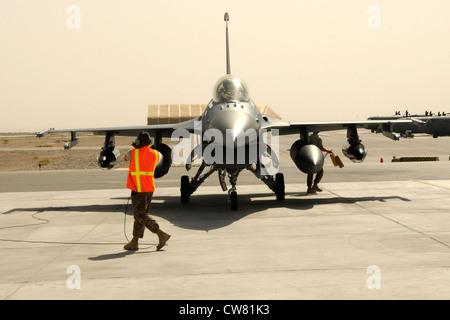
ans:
x=377 y=231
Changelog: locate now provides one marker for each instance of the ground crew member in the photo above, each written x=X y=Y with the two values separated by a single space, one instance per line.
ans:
x=313 y=188
x=141 y=181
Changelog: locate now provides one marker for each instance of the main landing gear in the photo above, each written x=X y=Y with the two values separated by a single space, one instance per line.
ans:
x=189 y=186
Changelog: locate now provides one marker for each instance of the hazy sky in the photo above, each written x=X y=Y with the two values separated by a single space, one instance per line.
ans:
x=95 y=63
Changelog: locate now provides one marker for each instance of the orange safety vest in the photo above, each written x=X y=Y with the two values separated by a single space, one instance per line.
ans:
x=141 y=174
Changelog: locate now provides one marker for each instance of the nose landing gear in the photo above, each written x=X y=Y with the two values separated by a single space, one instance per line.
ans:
x=275 y=183
x=232 y=194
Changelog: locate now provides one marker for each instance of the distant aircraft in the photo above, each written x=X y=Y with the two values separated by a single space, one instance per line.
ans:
x=233 y=135
x=437 y=125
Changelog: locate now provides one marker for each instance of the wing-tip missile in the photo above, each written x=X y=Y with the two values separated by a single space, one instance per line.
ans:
x=43 y=133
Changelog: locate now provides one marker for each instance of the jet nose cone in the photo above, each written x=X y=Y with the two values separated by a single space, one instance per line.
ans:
x=234 y=126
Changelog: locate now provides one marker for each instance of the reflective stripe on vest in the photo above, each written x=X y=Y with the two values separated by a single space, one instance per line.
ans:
x=137 y=173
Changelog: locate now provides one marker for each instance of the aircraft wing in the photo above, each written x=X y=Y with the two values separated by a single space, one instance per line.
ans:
x=109 y=153
x=286 y=127
x=163 y=130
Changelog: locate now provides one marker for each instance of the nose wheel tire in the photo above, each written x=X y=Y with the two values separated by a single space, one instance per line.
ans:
x=279 y=186
x=233 y=200
x=185 y=189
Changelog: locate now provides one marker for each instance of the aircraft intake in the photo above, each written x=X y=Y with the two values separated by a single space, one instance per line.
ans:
x=307 y=157
x=356 y=152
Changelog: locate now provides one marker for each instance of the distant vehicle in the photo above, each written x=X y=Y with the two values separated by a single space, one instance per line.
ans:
x=437 y=125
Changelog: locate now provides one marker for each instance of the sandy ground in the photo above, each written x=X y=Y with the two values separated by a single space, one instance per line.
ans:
x=24 y=151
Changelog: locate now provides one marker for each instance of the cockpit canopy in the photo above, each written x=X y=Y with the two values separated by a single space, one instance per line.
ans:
x=230 y=88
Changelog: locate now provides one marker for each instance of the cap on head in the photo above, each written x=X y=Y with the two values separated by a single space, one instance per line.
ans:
x=145 y=137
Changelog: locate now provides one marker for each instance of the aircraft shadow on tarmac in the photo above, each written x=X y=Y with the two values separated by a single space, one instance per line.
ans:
x=209 y=212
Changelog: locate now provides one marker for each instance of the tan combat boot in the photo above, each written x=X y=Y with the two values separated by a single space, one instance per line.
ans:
x=316 y=187
x=163 y=238
x=311 y=190
x=132 y=245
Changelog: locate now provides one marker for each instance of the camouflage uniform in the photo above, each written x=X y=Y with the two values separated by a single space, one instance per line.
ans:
x=313 y=187
x=142 y=191
x=140 y=202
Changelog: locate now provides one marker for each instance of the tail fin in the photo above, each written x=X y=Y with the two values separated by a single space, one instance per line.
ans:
x=226 y=19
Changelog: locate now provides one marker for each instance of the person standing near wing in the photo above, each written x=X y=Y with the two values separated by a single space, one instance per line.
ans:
x=313 y=188
x=141 y=182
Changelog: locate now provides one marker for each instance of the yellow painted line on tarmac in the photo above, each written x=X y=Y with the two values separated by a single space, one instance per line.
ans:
x=430 y=184
x=121 y=169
